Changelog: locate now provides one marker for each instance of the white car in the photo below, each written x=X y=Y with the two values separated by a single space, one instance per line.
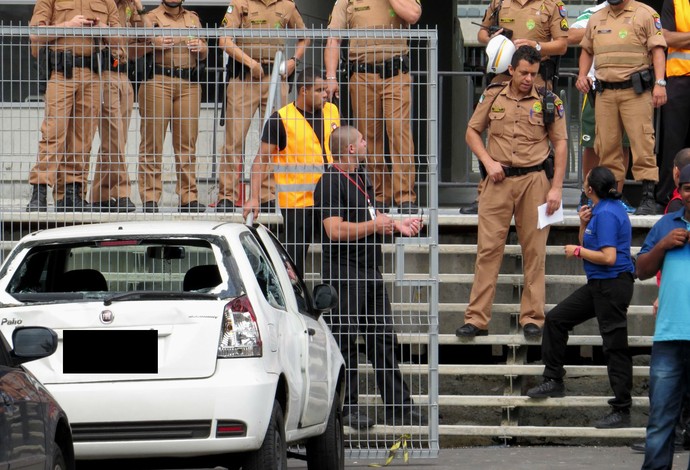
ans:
x=181 y=339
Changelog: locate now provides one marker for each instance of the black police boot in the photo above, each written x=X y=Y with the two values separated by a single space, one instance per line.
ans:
x=72 y=202
x=648 y=203
x=39 y=198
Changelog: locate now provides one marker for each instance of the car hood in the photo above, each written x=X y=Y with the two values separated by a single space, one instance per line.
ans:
x=185 y=333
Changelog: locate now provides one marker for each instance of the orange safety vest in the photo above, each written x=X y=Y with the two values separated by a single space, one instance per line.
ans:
x=299 y=165
x=678 y=60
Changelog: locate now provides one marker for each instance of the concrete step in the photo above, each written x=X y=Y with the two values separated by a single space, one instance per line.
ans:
x=507 y=370
x=514 y=340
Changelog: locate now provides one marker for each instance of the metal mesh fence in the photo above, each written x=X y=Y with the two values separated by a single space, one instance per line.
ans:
x=185 y=127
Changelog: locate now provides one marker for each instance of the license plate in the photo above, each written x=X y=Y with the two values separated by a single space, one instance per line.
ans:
x=110 y=352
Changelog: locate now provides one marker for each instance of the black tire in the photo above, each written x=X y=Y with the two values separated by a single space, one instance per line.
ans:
x=58 y=462
x=327 y=451
x=272 y=455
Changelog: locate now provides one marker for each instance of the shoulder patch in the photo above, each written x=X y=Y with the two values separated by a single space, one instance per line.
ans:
x=564 y=25
x=562 y=10
x=657 y=21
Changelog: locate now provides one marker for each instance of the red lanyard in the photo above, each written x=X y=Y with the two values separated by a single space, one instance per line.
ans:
x=354 y=182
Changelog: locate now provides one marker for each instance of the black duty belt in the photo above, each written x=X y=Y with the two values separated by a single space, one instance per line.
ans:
x=386 y=69
x=614 y=85
x=83 y=62
x=175 y=72
x=511 y=171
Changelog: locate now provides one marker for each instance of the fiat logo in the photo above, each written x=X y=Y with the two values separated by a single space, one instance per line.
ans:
x=107 y=317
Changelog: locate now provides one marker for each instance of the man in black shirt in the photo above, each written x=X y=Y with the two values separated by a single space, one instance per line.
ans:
x=295 y=143
x=351 y=241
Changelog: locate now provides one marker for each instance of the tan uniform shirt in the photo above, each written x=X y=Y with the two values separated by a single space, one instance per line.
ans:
x=262 y=14
x=179 y=55
x=378 y=14
x=54 y=12
x=621 y=42
x=517 y=135
x=537 y=20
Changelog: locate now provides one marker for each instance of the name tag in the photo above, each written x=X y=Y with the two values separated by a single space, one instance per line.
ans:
x=372 y=212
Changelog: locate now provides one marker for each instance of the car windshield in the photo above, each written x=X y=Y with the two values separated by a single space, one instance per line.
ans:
x=107 y=269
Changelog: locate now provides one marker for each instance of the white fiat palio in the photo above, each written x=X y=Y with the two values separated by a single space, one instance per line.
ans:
x=181 y=339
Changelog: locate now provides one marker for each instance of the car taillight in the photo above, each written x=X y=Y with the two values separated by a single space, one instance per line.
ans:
x=239 y=336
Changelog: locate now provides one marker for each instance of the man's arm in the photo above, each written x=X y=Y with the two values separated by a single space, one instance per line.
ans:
x=553 y=198
x=474 y=140
x=556 y=46
x=408 y=10
x=331 y=57
x=339 y=230
x=659 y=62
x=649 y=263
x=677 y=39
x=260 y=166
x=575 y=35
x=584 y=82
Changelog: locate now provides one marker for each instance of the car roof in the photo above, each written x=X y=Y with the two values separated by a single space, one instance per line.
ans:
x=135 y=228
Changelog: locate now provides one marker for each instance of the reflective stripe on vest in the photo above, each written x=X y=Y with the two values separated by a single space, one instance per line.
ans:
x=300 y=164
x=678 y=60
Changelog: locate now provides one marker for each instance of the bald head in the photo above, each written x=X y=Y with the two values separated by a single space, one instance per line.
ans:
x=682 y=158
x=341 y=141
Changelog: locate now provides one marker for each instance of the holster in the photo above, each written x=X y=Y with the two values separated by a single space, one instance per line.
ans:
x=549 y=165
x=547 y=70
x=141 y=69
x=642 y=81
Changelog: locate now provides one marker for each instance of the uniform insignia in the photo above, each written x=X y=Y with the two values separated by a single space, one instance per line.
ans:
x=561 y=10
x=622 y=34
x=230 y=10
x=564 y=25
x=507 y=20
x=498 y=109
x=659 y=33
x=536 y=107
x=657 y=21
x=128 y=12
x=259 y=22
x=334 y=126
x=419 y=2
x=224 y=22
x=481 y=98
x=559 y=107
x=531 y=24
x=361 y=8
x=603 y=31
x=391 y=12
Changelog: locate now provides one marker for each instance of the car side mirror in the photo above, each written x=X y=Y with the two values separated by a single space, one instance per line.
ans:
x=325 y=298
x=32 y=342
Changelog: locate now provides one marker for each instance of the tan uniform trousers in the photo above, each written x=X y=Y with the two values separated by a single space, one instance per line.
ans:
x=377 y=103
x=69 y=125
x=110 y=175
x=518 y=196
x=243 y=98
x=624 y=109
x=175 y=102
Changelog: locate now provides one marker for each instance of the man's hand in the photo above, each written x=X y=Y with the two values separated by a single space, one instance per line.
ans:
x=332 y=88
x=583 y=83
x=655 y=307
x=257 y=70
x=524 y=42
x=585 y=215
x=553 y=200
x=674 y=239
x=164 y=42
x=494 y=171
x=80 y=21
x=409 y=227
x=251 y=207
x=658 y=96
x=383 y=224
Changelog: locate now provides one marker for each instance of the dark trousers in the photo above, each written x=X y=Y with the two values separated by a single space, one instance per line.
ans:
x=366 y=310
x=675 y=133
x=608 y=301
x=298 y=234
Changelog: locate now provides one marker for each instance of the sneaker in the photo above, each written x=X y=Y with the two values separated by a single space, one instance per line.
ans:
x=468 y=330
x=123 y=204
x=584 y=201
x=192 y=206
x=357 y=420
x=472 y=209
x=531 y=331
x=549 y=388
x=72 y=200
x=613 y=420
x=225 y=205
x=640 y=446
x=626 y=205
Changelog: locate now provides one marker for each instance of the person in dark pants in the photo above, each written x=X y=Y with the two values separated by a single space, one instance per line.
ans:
x=351 y=243
x=605 y=237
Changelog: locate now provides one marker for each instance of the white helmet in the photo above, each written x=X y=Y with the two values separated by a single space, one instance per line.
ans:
x=500 y=52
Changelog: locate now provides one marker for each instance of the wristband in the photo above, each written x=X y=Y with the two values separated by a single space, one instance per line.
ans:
x=331 y=78
x=297 y=61
x=576 y=251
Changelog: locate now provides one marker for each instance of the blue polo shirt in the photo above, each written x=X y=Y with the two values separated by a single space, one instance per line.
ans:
x=609 y=226
x=673 y=317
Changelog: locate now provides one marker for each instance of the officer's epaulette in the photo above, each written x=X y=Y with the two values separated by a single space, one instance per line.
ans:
x=497 y=84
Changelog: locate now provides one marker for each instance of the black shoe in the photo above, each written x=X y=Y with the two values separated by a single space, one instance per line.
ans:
x=408 y=208
x=549 y=388
x=472 y=209
x=72 y=201
x=638 y=446
x=225 y=205
x=406 y=415
x=39 y=198
x=357 y=420
x=468 y=330
x=192 y=206
x=150 y=207
x=123 y=204
x=613 y=420
x=531 y=331
x=648 y=203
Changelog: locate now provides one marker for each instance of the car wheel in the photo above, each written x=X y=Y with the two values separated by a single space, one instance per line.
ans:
x=58 y=462
x=272 y=455
x=327 y=451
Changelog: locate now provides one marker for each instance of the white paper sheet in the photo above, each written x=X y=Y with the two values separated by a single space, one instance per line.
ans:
x=545 y=220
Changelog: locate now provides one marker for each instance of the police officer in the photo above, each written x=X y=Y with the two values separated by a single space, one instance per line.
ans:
x=675 y=114
x=249 y=71
x=624 y=40
x=110 y=190
x=379 y=87
x=516 y=184
x=537 y=23
x=172 y=97
x=295 y=144
x=72 y=102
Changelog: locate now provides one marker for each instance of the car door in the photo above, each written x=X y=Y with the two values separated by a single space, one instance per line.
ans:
x=315 y=362
x=22 y=425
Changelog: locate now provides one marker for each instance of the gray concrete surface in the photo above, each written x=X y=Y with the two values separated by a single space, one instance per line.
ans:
x=522 y=458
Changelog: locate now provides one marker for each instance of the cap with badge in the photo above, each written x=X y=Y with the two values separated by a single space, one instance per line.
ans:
x=684 y=176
